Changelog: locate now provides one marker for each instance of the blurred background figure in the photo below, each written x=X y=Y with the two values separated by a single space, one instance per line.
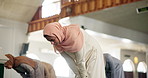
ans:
x=29 y=68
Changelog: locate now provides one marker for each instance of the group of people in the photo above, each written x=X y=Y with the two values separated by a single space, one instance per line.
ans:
x=81 y=51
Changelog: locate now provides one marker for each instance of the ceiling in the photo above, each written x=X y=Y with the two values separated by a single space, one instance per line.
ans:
x=125 y=16
x=19 y=10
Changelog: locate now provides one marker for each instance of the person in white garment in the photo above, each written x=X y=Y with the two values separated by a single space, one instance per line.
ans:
x=81 y=51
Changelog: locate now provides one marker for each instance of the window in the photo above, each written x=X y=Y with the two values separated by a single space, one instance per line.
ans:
x=50 y=8
x=142 y=67
x=128 y=65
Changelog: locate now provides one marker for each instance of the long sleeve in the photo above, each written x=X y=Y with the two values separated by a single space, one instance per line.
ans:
x=81 y=64
x=25 y=71
x=76 y=62
x=71 y=64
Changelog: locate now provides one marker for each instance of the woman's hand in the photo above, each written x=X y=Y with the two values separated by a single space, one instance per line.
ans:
x=8 y=64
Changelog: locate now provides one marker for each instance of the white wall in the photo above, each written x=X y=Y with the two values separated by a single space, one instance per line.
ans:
x=12 y=35
x=36 y=48
x=115 y=53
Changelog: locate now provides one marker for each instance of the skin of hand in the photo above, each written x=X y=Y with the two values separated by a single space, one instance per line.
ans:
x=8 y=64
x=8 y=67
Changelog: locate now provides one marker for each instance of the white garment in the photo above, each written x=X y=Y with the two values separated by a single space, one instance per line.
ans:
x=89 y=61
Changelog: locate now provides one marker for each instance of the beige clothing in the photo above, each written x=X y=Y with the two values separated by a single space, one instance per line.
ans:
x=48 y=70
x=41 y=70
x=89 y=61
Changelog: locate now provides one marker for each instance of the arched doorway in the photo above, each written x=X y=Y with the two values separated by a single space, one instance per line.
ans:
x=128 y=67
x=142 y=69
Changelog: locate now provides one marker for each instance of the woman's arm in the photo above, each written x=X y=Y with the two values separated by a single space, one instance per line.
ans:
x=71 y=64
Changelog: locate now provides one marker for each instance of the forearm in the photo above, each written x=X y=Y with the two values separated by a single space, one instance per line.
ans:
x=82 y=69
x=81 y=64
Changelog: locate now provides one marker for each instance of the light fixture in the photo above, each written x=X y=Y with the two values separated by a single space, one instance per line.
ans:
x=136 y=60
x=126 y=40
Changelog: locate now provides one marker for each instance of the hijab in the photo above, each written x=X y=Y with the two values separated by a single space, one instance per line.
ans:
x=70 y=37
x=16 y=61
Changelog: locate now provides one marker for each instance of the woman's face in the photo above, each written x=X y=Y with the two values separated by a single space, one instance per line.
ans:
x=54 y=40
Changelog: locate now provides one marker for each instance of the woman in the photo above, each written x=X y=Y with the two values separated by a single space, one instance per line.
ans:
x=81 y=51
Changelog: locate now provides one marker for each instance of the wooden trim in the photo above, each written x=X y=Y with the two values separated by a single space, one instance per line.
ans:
x=84 y=7
x=39 y=24
x=66 y=4
x=91 y=5
x=43 y=19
